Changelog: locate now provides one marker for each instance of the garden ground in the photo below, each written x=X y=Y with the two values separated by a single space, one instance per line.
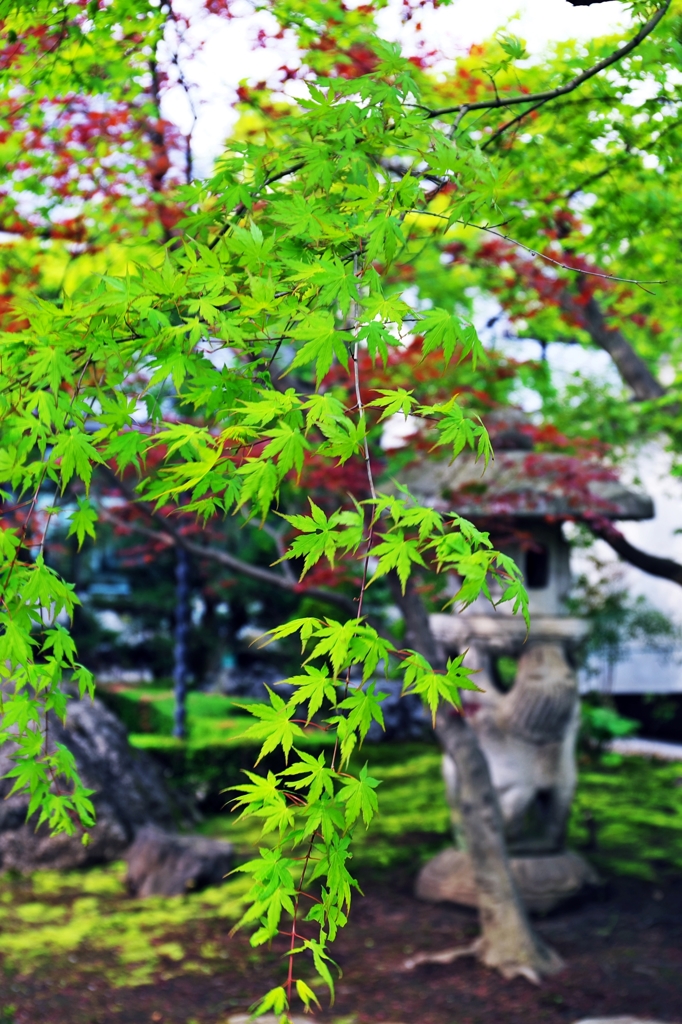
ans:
x=75 y=949
x=623 y=954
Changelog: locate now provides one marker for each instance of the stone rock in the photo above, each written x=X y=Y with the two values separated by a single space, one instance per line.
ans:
x=129 y=793
x=267 y=1018
x=167 y=864
x=618 y=1020
x=544 y=881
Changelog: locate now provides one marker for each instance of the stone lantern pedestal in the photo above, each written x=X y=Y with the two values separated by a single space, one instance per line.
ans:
x=527 y=715
x=528 y=736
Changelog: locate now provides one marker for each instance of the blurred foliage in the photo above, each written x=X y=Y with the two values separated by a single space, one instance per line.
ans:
x=600 y=723
x=617 y=619
x=628 y=817
x=631 y=808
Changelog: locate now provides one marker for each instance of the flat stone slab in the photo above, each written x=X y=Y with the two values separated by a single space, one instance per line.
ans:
x=635 y=746
x=267 y=1018
x=618 y=1020
x=544 y=881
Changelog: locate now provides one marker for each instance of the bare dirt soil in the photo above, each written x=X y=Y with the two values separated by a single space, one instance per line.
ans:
x=622 y=947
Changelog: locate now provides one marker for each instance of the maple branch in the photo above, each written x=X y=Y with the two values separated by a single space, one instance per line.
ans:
x=557 y=263
x=533 y=252
x=665 y=568
x=240 y=208
x=575 y=83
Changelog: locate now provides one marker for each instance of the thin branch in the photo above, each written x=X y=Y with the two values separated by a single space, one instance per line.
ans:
x=355 y=315
x=535 y=253
x=562 y=90
x=558 y=263
x=510 y=124
x=240 y=208
x=294 y=935
x=358 y=395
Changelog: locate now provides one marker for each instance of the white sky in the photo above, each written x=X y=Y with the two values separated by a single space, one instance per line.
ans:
x=539 y=22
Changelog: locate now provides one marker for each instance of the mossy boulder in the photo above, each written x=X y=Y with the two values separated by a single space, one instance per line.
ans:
x=129 y=793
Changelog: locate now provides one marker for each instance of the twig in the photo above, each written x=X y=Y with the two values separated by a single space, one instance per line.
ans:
x=534 y=252
x=240 y=208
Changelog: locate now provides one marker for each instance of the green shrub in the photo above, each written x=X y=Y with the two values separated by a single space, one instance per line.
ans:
x=600 y=723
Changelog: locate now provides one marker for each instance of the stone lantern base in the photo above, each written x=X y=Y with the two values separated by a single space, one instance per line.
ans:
x=544 y=881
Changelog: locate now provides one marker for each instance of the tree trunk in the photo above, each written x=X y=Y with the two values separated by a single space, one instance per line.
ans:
x=633 y=370
x=507 y=941
x=180 y=649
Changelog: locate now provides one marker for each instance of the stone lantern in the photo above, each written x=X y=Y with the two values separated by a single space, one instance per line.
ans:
x=527 y=716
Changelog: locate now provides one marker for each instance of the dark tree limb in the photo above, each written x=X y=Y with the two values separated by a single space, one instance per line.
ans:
x=169 y=537
x=665 y=568
x=631 y=367
x=563 y=90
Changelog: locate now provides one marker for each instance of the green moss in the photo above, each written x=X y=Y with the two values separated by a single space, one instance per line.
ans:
x=137 y=938
x=628 y=817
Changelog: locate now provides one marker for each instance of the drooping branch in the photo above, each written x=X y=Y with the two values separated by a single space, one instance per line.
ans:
x=665 y=568
x=562 y=90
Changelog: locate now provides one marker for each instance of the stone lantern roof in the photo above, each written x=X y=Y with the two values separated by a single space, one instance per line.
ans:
x=527 y=490
x=526 y=481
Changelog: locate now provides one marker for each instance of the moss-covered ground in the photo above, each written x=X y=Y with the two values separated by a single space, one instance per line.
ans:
x=62 y=933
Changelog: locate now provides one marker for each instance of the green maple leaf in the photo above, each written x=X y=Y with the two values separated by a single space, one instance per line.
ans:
x=275 y=727
x=77 y=454
x=83 y=521
x=364 y=707
x=313 y=776
x=443 y=330
x=312 y=688
x=288 y=446
x=460 y=430
x=359 y=797
x=334 y=641
x=126 y=448
x=320 y=536
x=396 y=552
x=323 y=341
x=434 y=687
x=394 y=401
x=343 y=440
x=379 y=340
